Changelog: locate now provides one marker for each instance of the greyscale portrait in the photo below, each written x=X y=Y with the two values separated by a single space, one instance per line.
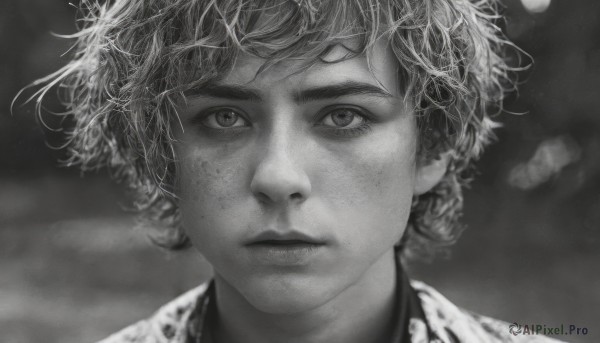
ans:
x=352 y=171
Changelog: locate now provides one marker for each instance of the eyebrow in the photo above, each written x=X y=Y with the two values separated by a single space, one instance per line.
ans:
x=339 y=90
x=233 y=92
x=239 y=92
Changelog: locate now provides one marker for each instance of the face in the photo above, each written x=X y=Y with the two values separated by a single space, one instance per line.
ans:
x=295 y=186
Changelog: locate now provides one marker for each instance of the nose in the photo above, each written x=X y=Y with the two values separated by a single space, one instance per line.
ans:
x=279 y=177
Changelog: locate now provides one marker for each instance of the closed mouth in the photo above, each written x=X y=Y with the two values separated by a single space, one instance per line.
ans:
x=285 y=249
x=286 y=242
x=285 y=239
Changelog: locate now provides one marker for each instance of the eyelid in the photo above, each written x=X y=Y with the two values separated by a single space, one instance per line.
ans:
x=201 y=116
x=346 y=132
x=366 y=115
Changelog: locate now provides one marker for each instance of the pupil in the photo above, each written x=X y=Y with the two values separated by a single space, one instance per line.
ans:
x=342 y=118
x=226 y=118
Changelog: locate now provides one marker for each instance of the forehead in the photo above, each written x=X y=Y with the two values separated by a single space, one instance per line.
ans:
x=378 y=66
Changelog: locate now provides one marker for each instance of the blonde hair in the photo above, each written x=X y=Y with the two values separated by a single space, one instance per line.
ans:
x=134 y=59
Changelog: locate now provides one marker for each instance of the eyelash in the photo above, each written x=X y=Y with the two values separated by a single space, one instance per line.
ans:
x=231 y=131
x=364 y=127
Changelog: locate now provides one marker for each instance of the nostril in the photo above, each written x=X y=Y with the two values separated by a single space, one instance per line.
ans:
x=263 y=197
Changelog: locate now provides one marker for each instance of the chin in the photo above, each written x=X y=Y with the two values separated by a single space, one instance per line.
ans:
x=286 y=296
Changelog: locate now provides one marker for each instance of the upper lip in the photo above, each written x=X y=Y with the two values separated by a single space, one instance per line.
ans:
x=290 y=237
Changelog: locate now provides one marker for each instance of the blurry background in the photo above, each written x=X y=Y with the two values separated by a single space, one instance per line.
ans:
x=73 y=269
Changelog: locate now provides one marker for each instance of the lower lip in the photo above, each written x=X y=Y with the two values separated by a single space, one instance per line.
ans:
x=285 y=254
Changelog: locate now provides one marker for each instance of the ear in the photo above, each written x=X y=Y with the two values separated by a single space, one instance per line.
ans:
x=429 y=173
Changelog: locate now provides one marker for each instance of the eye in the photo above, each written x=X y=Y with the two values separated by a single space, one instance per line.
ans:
x=224 y=118
x=343 y=118
x=345 y=122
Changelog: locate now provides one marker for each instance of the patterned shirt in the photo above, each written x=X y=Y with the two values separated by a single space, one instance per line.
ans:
x=438 y=321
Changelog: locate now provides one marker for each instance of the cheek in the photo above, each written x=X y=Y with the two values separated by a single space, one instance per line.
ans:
x=201 y=180
x=372 y=188
x=387 y=173
x=209 y=176
x=209 y=191
x=379 y=171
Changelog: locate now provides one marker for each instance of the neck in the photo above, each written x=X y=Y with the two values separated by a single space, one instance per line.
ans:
x=362 y=312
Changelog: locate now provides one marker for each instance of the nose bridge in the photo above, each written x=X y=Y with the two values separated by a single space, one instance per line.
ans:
x=279 y=145
x=280 y=174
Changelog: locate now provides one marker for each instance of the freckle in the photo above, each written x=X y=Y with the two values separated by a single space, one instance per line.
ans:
x=204 y=166
x=218 y=171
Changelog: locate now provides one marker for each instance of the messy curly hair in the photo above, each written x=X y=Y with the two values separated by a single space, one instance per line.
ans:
x=133 y=61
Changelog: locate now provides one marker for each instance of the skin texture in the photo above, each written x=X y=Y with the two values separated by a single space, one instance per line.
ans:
x=286 y=166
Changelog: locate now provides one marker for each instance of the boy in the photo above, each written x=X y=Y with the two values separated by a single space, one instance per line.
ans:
x=303 y=147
